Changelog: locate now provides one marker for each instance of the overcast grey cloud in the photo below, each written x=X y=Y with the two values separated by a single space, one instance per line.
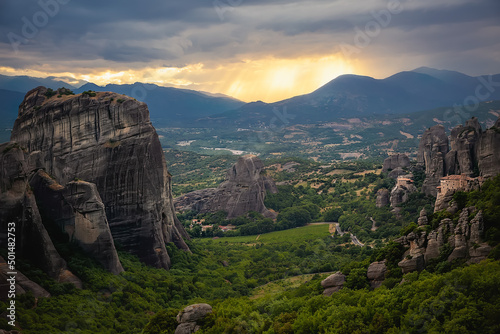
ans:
x=118 y=35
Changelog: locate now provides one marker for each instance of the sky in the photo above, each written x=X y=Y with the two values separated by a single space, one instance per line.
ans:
x=249 y=49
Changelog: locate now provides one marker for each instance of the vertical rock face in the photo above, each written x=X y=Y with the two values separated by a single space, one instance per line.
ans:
x=462 y=158
x=473 y=152
x=488 y=149
x=243 y=190
x=395 y=161
x=431 y=153
x=18 y=206
x=107 y=140
x=77 y=209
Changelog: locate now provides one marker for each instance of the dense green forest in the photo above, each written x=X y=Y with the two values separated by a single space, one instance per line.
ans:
x=260 y=281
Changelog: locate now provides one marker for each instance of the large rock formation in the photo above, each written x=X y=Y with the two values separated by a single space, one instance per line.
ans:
x=462 y=158
x=488 y=149
x=432 y=150
x=190 y=317
x=107 y=140
x=473 y=153
x=18 y=206
x=395 y=161
x=243 y=190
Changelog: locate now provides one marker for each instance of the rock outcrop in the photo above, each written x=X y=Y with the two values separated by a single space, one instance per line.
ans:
x=383 y=196
x=422 y=219
x=243 y=190
x=18 y=205
x=189 y=318
x=402 y=190
x=77 y=210
x=106 y=139
x=333 y=283
x=464 y=240
x=23 y=284
x=396 y=161
x=432 y=150
x=376 y=273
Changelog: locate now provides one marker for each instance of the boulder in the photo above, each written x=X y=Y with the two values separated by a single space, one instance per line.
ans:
x=376 y=273
x=333 y=283
x=243 y=190
x=107 y=140
x=190 y=317
x=383 y=196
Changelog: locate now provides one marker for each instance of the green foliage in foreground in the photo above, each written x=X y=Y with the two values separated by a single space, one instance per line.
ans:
x=125 y=303
x=466 y=300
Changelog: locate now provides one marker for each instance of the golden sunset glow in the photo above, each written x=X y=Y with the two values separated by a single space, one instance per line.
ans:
x=267 y=79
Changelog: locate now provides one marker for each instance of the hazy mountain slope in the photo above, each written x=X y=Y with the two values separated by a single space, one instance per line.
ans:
x=171 y=106
x=24 y=84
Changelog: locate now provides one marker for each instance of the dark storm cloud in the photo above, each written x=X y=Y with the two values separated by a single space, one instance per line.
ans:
x=197 y=31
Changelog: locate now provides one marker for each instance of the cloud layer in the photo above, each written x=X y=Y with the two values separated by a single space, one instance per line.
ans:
x=251 y=49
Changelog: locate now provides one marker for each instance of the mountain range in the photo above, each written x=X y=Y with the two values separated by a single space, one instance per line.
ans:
x=354 y=96
x=345 y=96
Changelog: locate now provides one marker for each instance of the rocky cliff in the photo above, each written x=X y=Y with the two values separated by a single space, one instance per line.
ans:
x=105 y=139
x=463 y=240
x=77 y=210
x=18 y=205
x=462 y=157
x=432 y=150
x=488 y=151
x=473 y=152
x=243 y=190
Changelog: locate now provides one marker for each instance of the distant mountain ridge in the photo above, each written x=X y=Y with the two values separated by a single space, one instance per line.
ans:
x=355 y=96
x=171 y=106
x=346 y=96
